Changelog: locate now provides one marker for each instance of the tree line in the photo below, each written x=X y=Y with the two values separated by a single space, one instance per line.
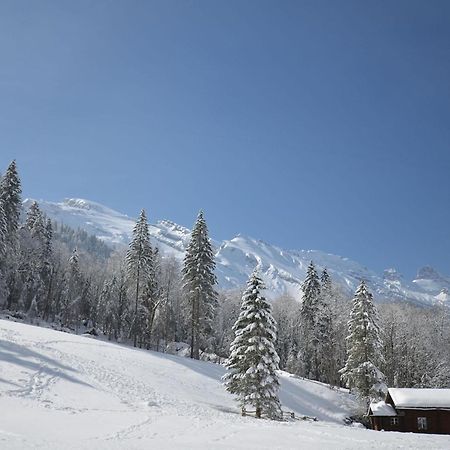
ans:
x=64 y=277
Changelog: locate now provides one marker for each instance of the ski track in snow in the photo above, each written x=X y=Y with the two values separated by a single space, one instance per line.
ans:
x=64 y=391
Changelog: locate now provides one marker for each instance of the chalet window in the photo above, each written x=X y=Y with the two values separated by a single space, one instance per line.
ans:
x=422 y=423
x=394 y=420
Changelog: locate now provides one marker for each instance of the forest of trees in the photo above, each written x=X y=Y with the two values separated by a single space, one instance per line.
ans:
x=52 y=274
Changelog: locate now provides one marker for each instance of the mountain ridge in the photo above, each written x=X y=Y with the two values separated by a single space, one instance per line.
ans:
x=282 y=270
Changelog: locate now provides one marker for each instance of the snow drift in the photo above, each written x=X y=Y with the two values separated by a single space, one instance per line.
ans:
x=59 y=390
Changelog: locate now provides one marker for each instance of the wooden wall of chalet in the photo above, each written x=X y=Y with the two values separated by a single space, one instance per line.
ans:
x=438 y=421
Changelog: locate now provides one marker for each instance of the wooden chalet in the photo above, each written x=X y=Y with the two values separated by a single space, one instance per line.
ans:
x=412 y=410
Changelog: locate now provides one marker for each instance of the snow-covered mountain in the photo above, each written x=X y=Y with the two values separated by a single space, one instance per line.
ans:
x=283 y=270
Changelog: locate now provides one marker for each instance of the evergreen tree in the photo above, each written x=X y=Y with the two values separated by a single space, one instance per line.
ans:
x=10 y=196
x=253 y=360
x=3 y=233
x=309 y=313
x=10 y=199
x=47 y=267
x=3 y=255
x=120 y=296
x=34 y=218
x=325 y=348
x=105 y=313
x=73 y=290
x=152 y=298
x=326 y=285
x=361 y=371
x=199 y=281
x=139 y=261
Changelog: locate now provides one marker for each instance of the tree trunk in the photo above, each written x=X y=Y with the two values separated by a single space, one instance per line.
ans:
x=197 y=331
x=193 y=328
x=136 y=307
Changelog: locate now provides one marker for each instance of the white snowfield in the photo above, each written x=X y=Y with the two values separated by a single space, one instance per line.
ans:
x=60 y=391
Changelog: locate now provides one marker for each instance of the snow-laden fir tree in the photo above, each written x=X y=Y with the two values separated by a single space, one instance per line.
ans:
x=3 y=255
x=139 y=260
x=364 y=347
x=34 y=221
x=73 y=290
x=253 y=361
x=121 y=304
x=309 y=314
x=10 y=196
x=47 y=252
x=3 y=233
x=151 y=298
x=105 y=307
x=27 y=279
x=325 y=349
x=199 y=281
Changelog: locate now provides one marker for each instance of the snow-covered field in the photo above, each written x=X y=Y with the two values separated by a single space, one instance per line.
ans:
x=61 y=391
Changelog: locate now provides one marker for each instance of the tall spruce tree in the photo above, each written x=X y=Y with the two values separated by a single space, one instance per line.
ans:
x=253 y=361
x=3 y=233
x=198 y=282
x=10 y=199
x=139 y=260
x=34 y=216
x=151 y=298
x=309 y=313
x=364 y=346
x=327 y=365
x=10 y=196
x=73 y=290
x=32 y=243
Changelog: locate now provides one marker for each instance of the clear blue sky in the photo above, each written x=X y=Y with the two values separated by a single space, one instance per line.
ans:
x=309 y=124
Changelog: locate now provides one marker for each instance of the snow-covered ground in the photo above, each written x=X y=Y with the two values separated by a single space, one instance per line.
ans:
x=62 y=391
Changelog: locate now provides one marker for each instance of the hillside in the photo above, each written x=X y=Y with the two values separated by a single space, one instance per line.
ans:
x=282 y=270
x=59 y=390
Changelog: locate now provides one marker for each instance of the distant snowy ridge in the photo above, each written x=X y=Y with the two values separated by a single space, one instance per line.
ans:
x=283 y=271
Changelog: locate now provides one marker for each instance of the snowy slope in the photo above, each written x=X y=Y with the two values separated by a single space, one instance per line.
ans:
x=62 y=391
x=282 y=270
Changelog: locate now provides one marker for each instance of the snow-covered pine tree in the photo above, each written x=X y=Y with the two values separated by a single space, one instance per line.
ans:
x=327 y=363
x=73 y=290
x=121 y=303
x=105 y=307
x=253 y=361
x=3 y=254
x=34 y=216
x=309 y=313
x=3 y=233
x=198 y=283
x=326 y=285
x=151 y=298
x=139 y=260
x=364 y=346
x=10 y=196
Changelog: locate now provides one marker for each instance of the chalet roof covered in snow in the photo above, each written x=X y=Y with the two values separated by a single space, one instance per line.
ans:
x=420 y=398
x=382 y=409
